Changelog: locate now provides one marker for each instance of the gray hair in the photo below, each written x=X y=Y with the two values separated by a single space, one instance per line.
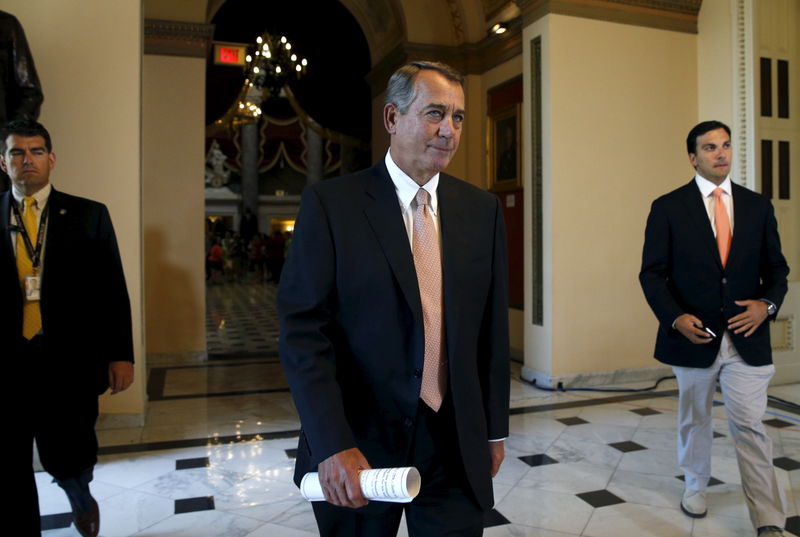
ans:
x=401 y=90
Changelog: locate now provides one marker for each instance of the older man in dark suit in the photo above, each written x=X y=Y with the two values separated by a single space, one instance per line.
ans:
x=394 y=330
x=65 y=323
x=713 y=272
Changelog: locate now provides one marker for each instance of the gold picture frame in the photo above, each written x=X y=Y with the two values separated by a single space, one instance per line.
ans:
x=504 y=147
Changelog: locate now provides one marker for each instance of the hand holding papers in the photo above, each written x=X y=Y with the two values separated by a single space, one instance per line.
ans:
x=397 y=485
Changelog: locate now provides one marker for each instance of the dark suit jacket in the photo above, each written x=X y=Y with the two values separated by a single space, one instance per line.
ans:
x=682 y=272
x=86 y=317
x=351 y=333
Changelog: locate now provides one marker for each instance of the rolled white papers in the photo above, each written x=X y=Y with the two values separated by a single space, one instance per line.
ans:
x=397 y=485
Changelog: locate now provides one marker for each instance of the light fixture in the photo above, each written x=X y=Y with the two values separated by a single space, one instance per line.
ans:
x=272 y=63
x=499 y=28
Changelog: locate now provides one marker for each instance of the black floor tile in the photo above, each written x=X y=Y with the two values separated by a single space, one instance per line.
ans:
x=627 y=447
x=572 y=421
x=494 y=518
x=600 y=498
x=291 y=453
x=56 y=522
x=538 y=460
x=793 y=525
x=645 y=411
x=785 y=463
x=186 y=464
x=780 y=424
x=190 y=505
x=711 y=481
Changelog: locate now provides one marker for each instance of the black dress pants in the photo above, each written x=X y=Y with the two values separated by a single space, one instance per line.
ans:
x=59 y=415
x=445 y=506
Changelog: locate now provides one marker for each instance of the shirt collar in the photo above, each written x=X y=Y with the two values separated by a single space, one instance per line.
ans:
x=41 y=197
x=707 y=187
x=406 y=188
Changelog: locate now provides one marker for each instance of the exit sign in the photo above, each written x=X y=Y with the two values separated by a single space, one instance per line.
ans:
x=229 y=55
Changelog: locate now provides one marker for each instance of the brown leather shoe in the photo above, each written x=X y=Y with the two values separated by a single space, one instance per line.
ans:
x=87 y=522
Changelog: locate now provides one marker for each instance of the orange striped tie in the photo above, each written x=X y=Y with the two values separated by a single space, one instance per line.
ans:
x=723 y=226
x=31 y=314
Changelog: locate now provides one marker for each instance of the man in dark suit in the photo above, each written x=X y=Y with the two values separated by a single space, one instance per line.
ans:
x=394 y=324
x=713 y=272
x=65 y=323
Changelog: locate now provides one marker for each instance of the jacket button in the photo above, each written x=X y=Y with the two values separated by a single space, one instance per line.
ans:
x=408 y=422
x=418 y=373
x=724 y=280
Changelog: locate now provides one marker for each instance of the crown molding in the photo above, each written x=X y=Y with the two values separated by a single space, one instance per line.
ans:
x=468 y=58
x=675 y=15
x=177 y=38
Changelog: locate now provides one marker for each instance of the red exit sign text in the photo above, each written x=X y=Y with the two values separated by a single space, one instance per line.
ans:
x=229 y=55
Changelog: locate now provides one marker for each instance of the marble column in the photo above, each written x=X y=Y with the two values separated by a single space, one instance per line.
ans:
x=250 y=167
x=313 y=156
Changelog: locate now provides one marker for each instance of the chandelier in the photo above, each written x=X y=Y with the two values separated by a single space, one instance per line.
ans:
x=270 y=63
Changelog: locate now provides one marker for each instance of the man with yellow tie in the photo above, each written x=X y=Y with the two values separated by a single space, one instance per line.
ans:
x=65 y=325
x=713 y=272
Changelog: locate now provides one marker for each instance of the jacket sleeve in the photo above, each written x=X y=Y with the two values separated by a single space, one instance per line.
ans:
x=774 y=269
x=493 y=351
x=306 y=309
x=117 y=310
x=655 y=272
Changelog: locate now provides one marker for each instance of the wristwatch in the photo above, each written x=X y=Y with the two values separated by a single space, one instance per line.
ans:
x=771 y=309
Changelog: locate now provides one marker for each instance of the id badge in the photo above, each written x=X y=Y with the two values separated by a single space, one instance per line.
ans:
x=32 y=288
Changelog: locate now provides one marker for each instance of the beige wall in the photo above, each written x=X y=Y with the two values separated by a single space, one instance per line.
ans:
x=618 y=100
x=176 y=10
x=88 y=55
x=173 y=203
x=715 y=95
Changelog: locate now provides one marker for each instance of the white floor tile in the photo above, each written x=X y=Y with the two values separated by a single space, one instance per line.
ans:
x=551 y=511
x=633 y=520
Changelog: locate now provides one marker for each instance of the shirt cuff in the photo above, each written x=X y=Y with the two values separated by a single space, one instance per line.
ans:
x=497 y=439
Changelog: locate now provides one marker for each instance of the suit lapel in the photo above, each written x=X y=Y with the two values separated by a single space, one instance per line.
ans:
x=5 y=242
x=382 y=211
x=741 y=222
x=696 y=208
x=55 y=231
x=455 y=248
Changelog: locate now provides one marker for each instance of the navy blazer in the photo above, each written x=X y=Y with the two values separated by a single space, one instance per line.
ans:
x=682 y=273
x=351 y=329
x=86 y=315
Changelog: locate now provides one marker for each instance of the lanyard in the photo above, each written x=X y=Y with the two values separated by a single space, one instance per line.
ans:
x=34 y=254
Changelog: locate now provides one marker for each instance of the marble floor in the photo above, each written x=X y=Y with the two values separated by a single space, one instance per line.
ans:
x=215 y=457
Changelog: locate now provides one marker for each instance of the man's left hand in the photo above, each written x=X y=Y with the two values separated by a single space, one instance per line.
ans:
x=750 y=319
x=120 y=376
x=497 y=452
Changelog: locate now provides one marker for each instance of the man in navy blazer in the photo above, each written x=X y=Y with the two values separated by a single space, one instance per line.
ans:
x=72 y=341
x=352 y=335
x=713 y=272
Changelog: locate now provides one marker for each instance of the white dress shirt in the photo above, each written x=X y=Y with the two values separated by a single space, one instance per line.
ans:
x=41 y=198
x=706 y=190
x=406 y=189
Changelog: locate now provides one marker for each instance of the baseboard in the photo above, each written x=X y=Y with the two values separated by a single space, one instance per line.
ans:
x=596 y=378
x=175 y=358
x=119 y=421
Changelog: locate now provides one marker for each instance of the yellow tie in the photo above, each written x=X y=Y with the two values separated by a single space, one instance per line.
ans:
x=31 y=314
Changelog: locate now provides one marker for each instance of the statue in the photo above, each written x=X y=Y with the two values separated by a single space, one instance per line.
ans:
x=20 y=92
x=217 y=175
